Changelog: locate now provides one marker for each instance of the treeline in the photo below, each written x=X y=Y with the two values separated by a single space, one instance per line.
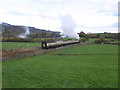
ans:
x=33 y=35
x=17 y=39
x=107 y=35
x=98 y=35
x=44 y=35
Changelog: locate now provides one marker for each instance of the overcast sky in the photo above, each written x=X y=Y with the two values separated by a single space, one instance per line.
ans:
x=88 y=15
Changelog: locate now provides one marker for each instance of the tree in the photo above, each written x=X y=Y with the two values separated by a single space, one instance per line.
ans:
x=43 y=34
x=98 y=35
x=102 y=39
x=81 y=34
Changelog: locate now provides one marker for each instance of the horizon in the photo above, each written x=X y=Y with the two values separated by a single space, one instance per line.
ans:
x=58 y=31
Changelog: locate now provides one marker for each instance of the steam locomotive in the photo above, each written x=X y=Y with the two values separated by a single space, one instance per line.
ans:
x=50 y=45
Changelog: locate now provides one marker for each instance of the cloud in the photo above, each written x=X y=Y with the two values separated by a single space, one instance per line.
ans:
x=115 y=25
x=16 y=13
x=46 y=13
x=97 y=29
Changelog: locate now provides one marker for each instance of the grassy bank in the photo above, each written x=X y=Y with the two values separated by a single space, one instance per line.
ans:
x=98 y=69
x=13 y=45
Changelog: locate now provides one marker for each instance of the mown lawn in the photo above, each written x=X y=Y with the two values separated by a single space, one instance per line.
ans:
x=13 y=45
x=97 y=70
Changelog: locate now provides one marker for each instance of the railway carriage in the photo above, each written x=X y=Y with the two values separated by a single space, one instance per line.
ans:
x=49 y=45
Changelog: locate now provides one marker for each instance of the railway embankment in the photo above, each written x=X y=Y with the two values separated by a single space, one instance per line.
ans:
x=13 y=54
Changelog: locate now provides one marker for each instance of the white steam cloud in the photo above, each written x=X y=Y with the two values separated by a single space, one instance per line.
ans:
x=68 y=26
x=24 y=35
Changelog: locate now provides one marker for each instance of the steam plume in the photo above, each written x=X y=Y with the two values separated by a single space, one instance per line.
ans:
x=68 y=26
x=24 y=35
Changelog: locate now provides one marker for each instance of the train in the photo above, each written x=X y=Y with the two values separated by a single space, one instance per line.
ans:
x=56 y=44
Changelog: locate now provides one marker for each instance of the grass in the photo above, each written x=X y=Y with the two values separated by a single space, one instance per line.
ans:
x=0 y=75
x=115 y=42
x=64 y=71
x=13 y=45
x=91 y=49
x=93 y=39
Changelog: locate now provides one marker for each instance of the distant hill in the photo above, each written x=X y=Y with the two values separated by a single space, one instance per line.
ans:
x=9 y=30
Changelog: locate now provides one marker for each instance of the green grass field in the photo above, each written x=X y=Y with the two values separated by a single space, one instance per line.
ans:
x=0 y=74
x=92 y=39
x=115 y=42
x=91 y=66
x=13 y=45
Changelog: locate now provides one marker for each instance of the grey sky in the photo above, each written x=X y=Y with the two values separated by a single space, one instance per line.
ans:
x=88 y=15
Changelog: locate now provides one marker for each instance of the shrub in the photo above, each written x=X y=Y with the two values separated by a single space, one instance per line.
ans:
x=98 y=41
x=15 y=39
x=83 y=39
x=102 y=39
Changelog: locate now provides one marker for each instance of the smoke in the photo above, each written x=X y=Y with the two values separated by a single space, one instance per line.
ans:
x=68 y=26
x=24 y=35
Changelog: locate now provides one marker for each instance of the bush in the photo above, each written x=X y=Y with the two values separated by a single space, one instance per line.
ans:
x=98 y=41
x=102 y=39
x=15 y=39
x=84 y=39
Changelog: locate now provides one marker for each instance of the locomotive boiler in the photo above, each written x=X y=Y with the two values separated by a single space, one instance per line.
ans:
x=50 y=45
